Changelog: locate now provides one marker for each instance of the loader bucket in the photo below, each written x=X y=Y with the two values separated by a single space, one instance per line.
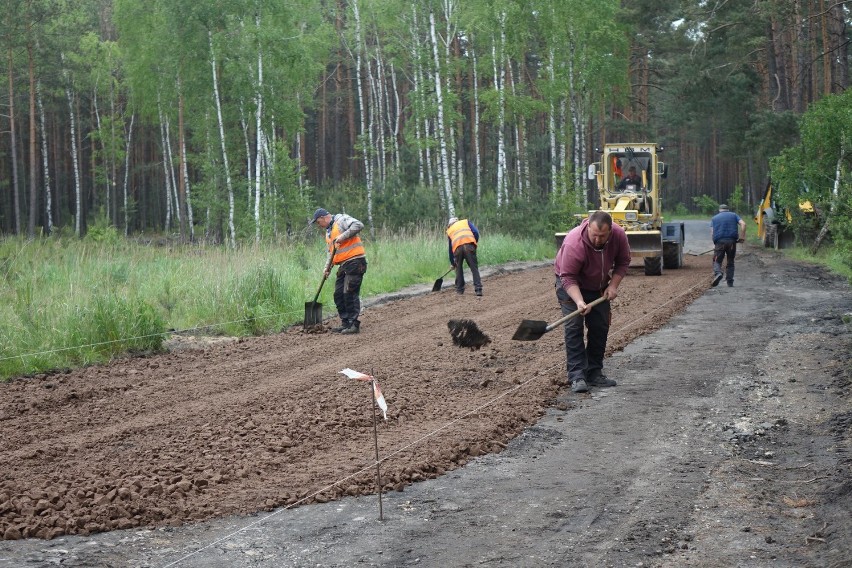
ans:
x=645 y=243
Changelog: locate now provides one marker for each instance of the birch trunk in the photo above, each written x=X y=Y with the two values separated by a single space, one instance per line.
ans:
x=499 y=80
x=172 y=202
x=171 y=169
x=366 y=130
x=456 y=177
x=575 y=119
x=48 y=202
x=103 y=146
x=395 y=121
x=259 y=135
x=232 y=233
x=418 y=102
x=418 y=143
x=269 y=176
x=167 y=179
x=835 y=196
x=372 y=153
x=378 y=112
x=475 y=139
x=248 y=160
x=208 y=144
x=522 y=174
x=442 y=141
x=112 y=144
x=78 y=190
x=33 y=160
x=183 y=181
x=551 y=127
x=189 y=215
x=127 y=142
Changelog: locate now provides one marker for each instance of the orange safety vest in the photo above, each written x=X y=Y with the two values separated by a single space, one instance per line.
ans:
x=350 y=248
x=460 y=234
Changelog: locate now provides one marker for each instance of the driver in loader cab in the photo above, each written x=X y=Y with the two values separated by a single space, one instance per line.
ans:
x=631 y=181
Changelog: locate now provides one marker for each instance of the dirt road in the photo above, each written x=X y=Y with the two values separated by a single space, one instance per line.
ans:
x=726 y=442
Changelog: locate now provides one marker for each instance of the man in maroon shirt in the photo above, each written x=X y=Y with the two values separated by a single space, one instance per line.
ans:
x=591 y=263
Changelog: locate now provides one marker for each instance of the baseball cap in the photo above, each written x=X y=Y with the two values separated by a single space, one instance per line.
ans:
x=723 y=207
x=317 y=214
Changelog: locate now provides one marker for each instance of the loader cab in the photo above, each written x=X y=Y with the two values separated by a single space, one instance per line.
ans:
x=635 y=204
x=619 y=191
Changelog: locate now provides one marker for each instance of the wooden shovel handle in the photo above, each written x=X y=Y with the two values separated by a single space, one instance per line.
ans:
x=574 y=314
x=324 y=272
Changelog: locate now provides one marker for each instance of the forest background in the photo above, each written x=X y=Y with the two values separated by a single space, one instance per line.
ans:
x=224 y=123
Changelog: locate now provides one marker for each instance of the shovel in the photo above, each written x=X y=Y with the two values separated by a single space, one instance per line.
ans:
x=532 y=330
x=313 y=310
x=440 y=281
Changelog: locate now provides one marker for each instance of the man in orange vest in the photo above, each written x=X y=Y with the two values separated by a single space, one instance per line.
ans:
x=341 y=236
x=463 y=238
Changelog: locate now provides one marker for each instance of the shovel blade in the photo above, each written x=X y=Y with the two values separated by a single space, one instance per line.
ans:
x=313 y=314
x=438 y=284
x=530 y=330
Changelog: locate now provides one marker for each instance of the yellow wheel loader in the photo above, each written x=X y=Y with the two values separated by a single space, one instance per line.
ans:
x=634 y=203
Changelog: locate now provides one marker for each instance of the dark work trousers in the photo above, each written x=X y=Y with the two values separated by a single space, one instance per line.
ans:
x=467 y=253
x=722 y=248
x=584 y=360
x=346 y=290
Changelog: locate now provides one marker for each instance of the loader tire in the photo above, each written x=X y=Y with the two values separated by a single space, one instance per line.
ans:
x=653 y=266
x=770 y=236
x=672 y=255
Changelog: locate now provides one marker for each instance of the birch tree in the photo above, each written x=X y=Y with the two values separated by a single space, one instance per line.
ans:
x=258 y=114
x=232 y=232
x=48 y=205
x=440 y=126
x=475 y=138
x=366 y=129
x=498 y=63
x=75 y=156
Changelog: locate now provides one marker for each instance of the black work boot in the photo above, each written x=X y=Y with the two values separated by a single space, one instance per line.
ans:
x=354 y=327
x=343 y=327
x=600 y=381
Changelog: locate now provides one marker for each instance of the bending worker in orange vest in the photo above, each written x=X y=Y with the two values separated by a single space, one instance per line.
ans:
x=341 y=231
x=463 y=237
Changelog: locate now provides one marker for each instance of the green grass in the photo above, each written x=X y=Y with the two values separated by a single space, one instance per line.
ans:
x=834 y=259
x=66 y=303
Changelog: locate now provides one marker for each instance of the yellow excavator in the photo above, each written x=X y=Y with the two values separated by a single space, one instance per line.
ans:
x=774 y=223
x=635 y=203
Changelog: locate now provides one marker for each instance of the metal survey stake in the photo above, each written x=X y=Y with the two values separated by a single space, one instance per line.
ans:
x=376 y=439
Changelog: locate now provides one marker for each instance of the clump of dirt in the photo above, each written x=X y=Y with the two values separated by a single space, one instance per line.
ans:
x=466 y=333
